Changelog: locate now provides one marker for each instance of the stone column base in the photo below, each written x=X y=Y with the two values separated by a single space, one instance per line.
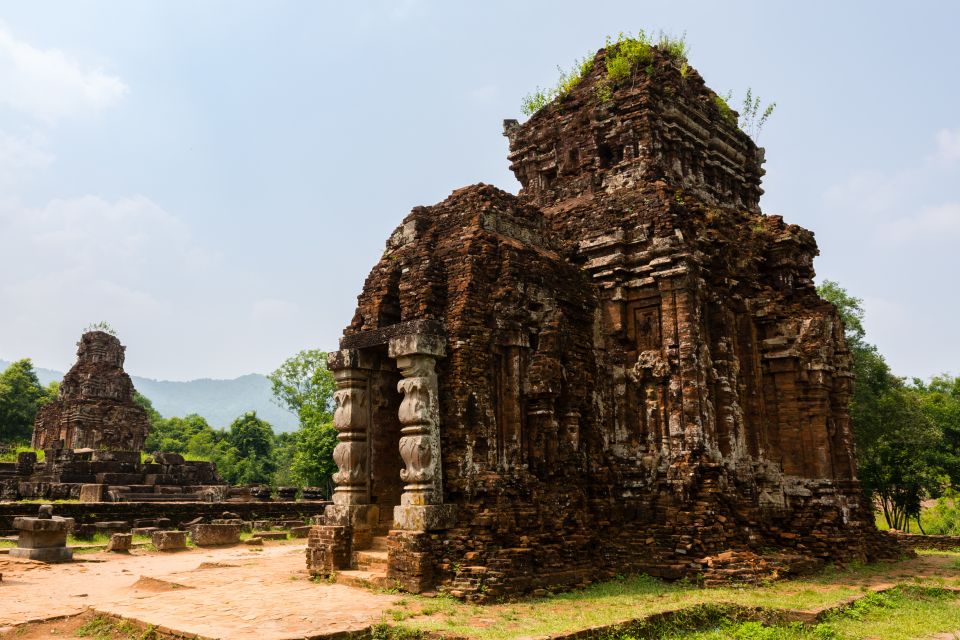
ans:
x=48 y=554
x=359 y=519
x=351 y=515
x=430 y=517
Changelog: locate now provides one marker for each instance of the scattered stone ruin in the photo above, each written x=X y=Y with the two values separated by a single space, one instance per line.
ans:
x=44 y=537
x=92 y=436
x=95 y=409
x=626 y=368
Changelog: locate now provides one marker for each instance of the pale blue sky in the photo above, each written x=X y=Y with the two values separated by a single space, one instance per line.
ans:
x=216 y=179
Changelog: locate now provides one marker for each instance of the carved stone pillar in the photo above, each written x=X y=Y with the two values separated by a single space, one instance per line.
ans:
x=421 y=507
x=351 y=418
x=351 y=497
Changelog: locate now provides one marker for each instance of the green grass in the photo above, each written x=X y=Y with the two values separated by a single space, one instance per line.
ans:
x=7 y=544
x=100 y=540
x=104 y=628
x=637 y=597
x=942 y=519
x=901 y=613
x=11 y=456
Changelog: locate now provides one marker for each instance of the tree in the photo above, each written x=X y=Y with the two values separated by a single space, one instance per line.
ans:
x=21 y=395
x=897 y=441
x=940 y=401
x=313 y=463
x=304 y=386
x=249 y=459
x=175 y=434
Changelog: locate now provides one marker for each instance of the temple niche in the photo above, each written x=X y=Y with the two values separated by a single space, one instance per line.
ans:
x=625 y=368
x=95 y=408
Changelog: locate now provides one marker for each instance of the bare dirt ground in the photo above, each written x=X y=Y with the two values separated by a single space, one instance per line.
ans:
x=239 y=593
x=213 y=593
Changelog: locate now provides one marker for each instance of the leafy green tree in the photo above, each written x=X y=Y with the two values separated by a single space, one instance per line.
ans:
x=304 y=386
x=251 y=436
x=940 y=401
x=313 y=455
x=53 y=392
x=898 y=442
x=175 y=434
x=21 y=395
x=249 y=459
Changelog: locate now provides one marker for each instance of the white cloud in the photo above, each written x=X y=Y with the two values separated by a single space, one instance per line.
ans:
x=90 y=233
x=916 y=203
x=20 y=157
x=79 y=260
x=938 y=224
x=948 y=145
x=88 y=251
x=47 y=84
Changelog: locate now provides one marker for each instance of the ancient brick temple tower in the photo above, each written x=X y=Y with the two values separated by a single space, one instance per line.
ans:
x=95 y=409
x=624 y=368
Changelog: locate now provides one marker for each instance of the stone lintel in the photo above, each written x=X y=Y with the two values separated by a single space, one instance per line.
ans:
x=418 y=344
x=431 y=517
x=353 y=515
x=382 y=336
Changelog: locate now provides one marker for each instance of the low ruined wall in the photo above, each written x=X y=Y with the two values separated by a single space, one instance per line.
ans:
x=917 y=541
x=88 y=513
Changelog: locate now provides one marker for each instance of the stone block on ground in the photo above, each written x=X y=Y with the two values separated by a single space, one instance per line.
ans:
x=209 y=535
x=43 y=537
x=120 y=542
x=287 y=524
x=271 y=535
x=115 y=526
x=302 y=531
x=144 y=531
x=48 y=554
x=170 y=540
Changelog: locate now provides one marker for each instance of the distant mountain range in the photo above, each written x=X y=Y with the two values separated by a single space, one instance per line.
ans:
x=219 y=401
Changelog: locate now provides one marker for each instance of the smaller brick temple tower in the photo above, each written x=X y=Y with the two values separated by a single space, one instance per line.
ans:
x=624 y=368
x=95 y=409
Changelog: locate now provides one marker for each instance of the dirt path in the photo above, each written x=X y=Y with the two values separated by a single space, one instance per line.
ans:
x=212 y=593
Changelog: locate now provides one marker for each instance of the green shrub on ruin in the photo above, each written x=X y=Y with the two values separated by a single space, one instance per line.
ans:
x=627 y=55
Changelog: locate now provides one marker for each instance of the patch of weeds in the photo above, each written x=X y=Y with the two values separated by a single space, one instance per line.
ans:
x=384 y=631
x=568 y=81
x=104 y=628
x=625 y=56
x=330 y=579
x=723 y=104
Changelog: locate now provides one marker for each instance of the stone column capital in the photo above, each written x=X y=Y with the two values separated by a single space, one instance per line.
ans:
x=350 y=359
x=417 y=344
